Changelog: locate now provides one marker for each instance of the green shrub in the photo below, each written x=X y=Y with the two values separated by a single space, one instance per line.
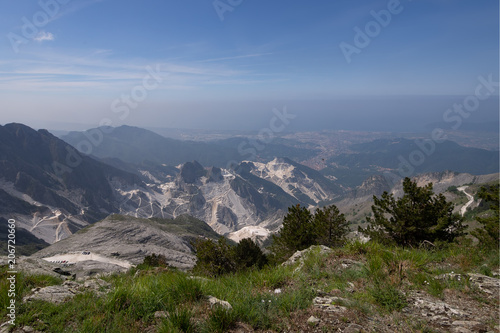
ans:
x=154 y=260
x=213 y=258
x=489 y=233
x=218 y=258
x=247 y=254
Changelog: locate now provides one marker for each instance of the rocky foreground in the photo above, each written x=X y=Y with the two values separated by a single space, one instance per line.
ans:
x=360 y=288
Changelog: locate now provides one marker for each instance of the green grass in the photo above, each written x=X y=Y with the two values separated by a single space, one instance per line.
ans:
x=220 y=320
x=388 y=297
x=375 y=287
x=24 y=283
x=181 y=320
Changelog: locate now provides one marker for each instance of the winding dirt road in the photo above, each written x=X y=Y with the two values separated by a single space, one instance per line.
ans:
x=463 y=210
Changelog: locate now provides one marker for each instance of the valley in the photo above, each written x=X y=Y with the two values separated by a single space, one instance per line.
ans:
x=235 y=166
x=139 y=211
x=139 y=173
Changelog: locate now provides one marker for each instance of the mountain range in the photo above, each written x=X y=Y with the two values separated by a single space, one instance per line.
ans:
x=411 y=156
x=137 y=146
x=52 y=190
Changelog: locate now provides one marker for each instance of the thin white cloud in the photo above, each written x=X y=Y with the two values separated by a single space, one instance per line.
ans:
x=43 y=36
x=236 y=57
x=74 y=6
x=99 y=70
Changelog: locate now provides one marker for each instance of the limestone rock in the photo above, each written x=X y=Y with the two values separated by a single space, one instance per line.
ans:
x=435 y=310
x=37 y=266
x=26 y=329
x=460 y=329
x=351 y=287
x=354 y=328
x=485 y=283
x=473 y=326
x=96 y=285
x=328 y=304
x=53 y=294
x=348 y=263
x=161 y=314
x=215 y=301
x=61 y=293
x=298 y=257
x=313 y=321
x=92 y=252
x=450 y=276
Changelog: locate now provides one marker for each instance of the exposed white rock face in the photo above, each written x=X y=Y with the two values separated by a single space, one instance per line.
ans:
x=254 y=194
x=247 y=202
x=115 y=244
x=224 y=199
x=251 y=195
x=73 y=258
x=292 y=180
x=255 y=233
x=50 y=223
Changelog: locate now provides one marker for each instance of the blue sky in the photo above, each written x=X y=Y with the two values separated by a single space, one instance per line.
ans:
x=263 y=54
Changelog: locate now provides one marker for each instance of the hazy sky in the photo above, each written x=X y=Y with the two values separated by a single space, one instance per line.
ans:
x=189 y=63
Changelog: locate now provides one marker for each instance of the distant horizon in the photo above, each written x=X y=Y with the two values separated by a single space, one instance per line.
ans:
x=196 y=65
x=366 y=113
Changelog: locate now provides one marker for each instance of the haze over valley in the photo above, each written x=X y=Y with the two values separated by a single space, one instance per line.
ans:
x=249 y=166
x=54 y=190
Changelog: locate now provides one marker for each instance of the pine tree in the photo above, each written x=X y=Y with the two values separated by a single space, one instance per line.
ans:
x=416 y=217
x=488 y=235
x=247 y=254
x=330 y=226
x=213 y=258
x=296 y=234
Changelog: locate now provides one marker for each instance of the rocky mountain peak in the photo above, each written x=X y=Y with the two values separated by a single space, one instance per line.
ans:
x=373 y=185
x=191 y=172
x=214 y=174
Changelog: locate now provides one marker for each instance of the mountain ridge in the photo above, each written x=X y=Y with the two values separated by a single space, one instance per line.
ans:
x=51 y=185
x=406 y=157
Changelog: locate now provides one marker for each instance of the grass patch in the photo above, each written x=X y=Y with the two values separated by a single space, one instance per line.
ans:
x=388 y=297
x=220 y=320
x=179 y=321
x=269 y=299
